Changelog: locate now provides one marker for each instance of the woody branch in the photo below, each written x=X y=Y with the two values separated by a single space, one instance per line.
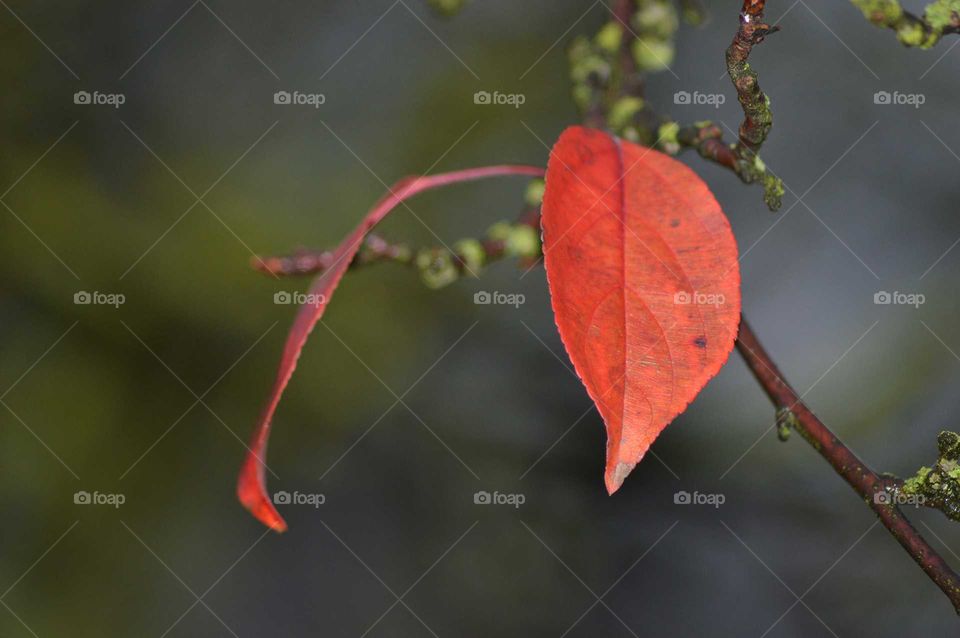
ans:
x=612 y=98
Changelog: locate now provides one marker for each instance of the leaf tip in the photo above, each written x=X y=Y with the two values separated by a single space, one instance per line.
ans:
x=616 y=475
x=252 y=494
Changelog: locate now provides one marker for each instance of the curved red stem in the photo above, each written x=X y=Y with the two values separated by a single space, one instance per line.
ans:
x=251 y=485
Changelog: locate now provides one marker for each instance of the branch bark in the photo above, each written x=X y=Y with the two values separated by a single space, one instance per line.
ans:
x=758 y=118
x=855 y=472
x=707 y=139
x=863 y=480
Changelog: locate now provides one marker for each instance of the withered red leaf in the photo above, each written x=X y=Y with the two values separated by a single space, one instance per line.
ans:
x=644 y=282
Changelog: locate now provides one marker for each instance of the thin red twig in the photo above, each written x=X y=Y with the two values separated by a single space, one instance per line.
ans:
x=855 y=472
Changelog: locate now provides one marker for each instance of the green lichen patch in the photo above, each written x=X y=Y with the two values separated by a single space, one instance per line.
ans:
x=939 y=486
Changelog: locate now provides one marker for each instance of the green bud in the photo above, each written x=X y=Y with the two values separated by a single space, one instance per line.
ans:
x=610 y=37
x=403 y=254
x=652 y=55
x=623 y=111
x=911 y=34
x=534 y=193
x=772 y=192
x=667 y=137
x=437 y=268
x=582 y=70
x=667 y=133
x=523 y=241
x=582 y=96
x=786 y=421
x=447 y=7
x=881 y=12
x=657 y=19
x=579 y=49
x=472 y=253
x=499 y=231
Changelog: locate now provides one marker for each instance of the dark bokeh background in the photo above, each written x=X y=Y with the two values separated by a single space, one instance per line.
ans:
x=154 y=399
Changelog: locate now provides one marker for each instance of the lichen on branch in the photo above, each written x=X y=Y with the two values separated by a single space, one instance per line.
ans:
x=940 y=18
x=608 y=72
x=608 y=86
x=707 y=139
x=876 y=490
x=757 y=115
x=938 y=486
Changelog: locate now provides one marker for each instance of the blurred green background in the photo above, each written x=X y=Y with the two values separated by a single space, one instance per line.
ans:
x=154 y=399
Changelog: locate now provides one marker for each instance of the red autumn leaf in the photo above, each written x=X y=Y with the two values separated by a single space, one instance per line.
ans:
x=251 y=485
x=644 y=281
